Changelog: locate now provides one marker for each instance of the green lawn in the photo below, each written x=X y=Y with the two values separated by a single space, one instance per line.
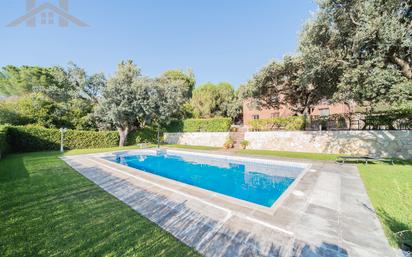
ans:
x=48 y=209
x=390 y=190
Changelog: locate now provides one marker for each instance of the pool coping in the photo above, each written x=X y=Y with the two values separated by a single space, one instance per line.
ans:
x=340 y=231
x=202 y=193
x=217 y=200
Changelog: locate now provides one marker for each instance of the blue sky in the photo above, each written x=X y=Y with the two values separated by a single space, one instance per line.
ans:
x=226 y=40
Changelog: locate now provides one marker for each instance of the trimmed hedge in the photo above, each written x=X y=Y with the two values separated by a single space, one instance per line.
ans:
x=279 y=123
x=142 y=135
x=34 y=138
x=4 y=146
x=201 y=125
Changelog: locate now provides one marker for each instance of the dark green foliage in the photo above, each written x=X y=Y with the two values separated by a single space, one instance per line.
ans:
x=215 y=100
x=142 y=135
x=285 y=123
x=362 y=48
x=9 y=115
x=3 y=140
x=20 y=80
x=175 y=126
x=201 y=125
x=32 y=138
x=389 y=119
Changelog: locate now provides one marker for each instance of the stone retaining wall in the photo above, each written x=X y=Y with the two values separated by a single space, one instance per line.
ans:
x=392 y=143
x=216 y=139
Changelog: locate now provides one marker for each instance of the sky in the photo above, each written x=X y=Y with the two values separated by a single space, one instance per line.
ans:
x=220 y=40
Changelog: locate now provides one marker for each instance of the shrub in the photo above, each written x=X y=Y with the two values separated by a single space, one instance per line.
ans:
x=278 y=123
x=3 y=140
x=399 y=118
x=228 y=143
x=34 y=138
x=201 y=125
x=142 y=135
x=244 y=143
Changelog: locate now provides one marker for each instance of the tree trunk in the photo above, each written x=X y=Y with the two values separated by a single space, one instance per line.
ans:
x=158 y=136
x=123 y=132
x=405 y=67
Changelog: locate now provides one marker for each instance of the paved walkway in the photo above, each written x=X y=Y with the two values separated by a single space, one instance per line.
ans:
x=328 y=214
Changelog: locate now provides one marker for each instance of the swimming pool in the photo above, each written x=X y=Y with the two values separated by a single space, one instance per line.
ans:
x=257 y=182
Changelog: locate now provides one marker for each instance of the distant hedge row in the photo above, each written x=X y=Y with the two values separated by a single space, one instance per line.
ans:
x=200 y=125
x=34 y=138
x=286 y=123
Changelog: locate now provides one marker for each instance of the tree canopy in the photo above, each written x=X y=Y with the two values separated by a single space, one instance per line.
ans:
x=131 y=100
x=211 y=100
x=368 y=43
x=21 y=80
x=185 y=79
x=352 y=50
x=118 y=102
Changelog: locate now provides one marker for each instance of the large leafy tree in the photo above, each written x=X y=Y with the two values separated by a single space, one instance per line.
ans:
x=353 y=50
x=185 y=79
x=73 y=83
x=21 y=80
x=159 y=101
x=291 y=82
x=131 y=100
x=118 y=103
x=368 y=45
x=210 y=100
x=52 y=97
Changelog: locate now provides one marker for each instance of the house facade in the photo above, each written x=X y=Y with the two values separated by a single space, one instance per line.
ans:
x=324 y=108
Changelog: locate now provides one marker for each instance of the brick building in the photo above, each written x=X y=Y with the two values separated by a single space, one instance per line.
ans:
x=322 y=109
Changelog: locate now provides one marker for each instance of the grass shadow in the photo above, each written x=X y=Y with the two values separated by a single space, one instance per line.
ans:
x=401 y=232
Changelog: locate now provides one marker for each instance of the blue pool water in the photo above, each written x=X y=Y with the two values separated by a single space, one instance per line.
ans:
x=258 y=183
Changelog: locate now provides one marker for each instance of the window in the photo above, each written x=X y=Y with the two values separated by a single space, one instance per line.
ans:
x=51 y=18
x=43 y=18
x=274 y=115
x=255 y=116
x=324 y=112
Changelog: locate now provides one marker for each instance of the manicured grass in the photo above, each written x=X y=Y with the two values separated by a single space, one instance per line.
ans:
x=390 y=190
x=299 y=155
x=48 y=209
x=194 y=147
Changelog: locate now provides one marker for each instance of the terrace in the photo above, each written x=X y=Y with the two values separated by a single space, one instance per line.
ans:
x=327 y=213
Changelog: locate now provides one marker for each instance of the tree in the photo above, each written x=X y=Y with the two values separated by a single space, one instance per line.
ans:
x=159 y=101
x=185 y=79
x=10 y=115
x=210 y=100
x=39 y=109
x=118 y=103
x=21 y=80
x=73 y=83
x=367 y=44
x=291 y=82
x=353 y=50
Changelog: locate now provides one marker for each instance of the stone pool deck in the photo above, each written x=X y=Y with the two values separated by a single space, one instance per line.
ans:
x=327 y=214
